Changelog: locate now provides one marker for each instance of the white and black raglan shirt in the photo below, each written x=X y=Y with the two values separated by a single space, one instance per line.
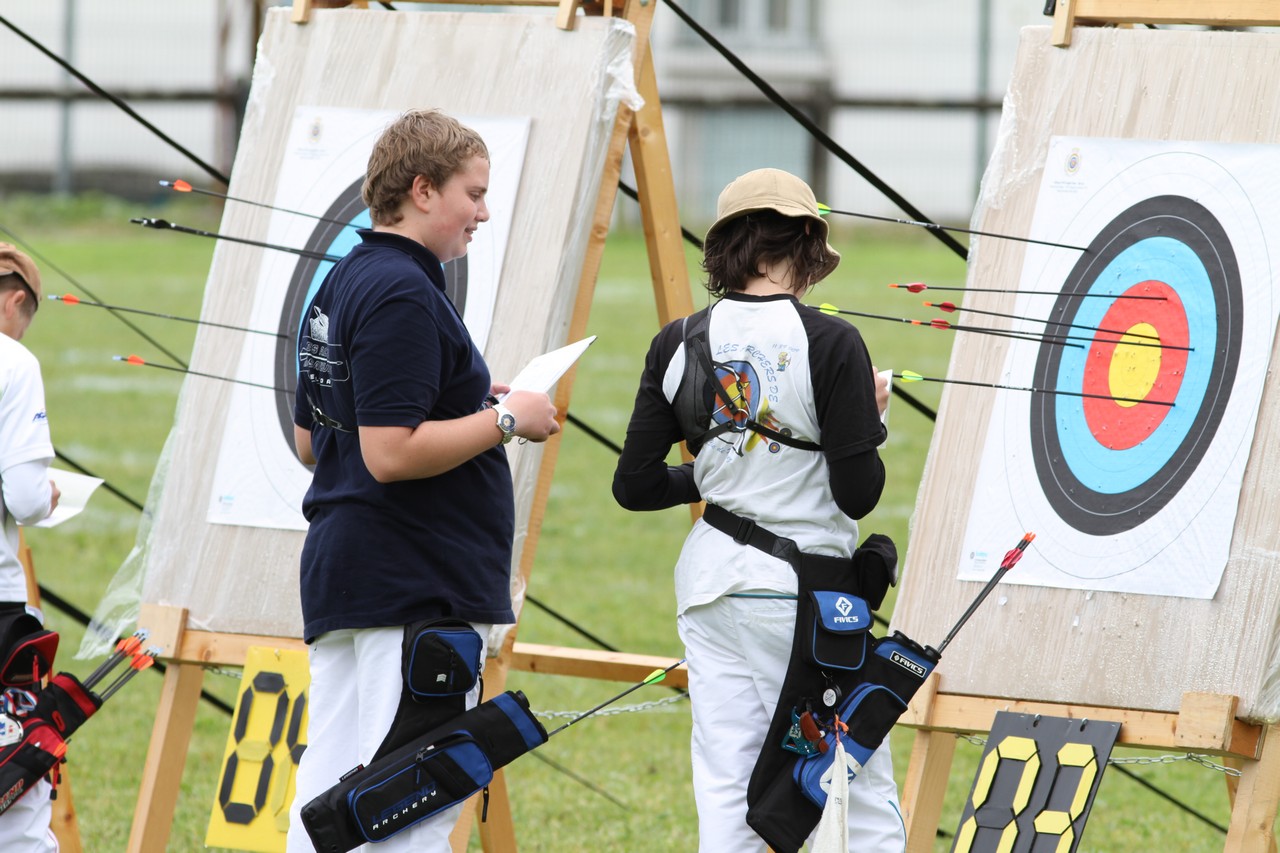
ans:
x=799 y=372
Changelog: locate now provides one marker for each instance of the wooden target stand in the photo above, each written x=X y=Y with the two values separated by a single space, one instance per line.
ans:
x=188 y=651
x=1205 y=722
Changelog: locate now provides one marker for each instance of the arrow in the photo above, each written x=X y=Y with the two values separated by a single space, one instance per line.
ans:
x=827 y=308
x=933 y=226
x=1010 y=560
x=652 y=678
x=184 y=187
x=910 y=376
x=1156 y=343
x=139 y=361
x=917 y=287
x=951 y=307
x=162 y=224
x=72 y=299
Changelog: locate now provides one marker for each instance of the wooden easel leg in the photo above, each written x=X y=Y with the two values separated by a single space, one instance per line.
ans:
x=925 y=787
x=1257 y=796
x=166 y=757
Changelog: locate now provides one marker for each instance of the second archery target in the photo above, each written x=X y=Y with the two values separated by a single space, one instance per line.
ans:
x=1129 y=465
x=259 y=481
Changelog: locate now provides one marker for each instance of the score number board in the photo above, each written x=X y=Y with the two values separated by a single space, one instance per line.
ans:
x=267 y=737
x=1035 y=784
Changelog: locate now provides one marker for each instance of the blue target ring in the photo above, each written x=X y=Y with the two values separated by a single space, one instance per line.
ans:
x=1107 y=470
x=335 y=235
x=1094 y=488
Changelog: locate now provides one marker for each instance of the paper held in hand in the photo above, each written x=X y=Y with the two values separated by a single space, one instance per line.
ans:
x=542 y=372
x=75 y=489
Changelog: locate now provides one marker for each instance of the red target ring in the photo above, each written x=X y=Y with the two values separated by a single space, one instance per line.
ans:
x=1146 y=362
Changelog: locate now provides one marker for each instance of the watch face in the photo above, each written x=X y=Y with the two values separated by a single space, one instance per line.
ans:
x=507 y=423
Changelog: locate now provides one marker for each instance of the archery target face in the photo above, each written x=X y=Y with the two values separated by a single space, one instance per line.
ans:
x=259 y=480
x=1130 y=476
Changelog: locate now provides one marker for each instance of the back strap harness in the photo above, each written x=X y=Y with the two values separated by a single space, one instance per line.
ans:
x=691 y=403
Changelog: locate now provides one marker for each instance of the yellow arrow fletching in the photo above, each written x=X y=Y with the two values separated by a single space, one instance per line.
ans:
x=911 y=376
x=823 y=209
x=655 y=676
x=828 y=308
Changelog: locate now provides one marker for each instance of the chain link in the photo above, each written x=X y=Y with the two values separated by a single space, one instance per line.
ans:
x=620 y=709
x=222 y=670
x=1193 y=757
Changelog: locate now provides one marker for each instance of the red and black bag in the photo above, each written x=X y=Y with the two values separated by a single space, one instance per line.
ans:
x=33 y=735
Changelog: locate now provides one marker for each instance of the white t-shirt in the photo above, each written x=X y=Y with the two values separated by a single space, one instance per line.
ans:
x=803 y=373
x=24 y=438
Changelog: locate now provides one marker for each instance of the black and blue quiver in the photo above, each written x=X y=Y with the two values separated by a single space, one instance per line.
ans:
x=896 y=669
x=424 y=777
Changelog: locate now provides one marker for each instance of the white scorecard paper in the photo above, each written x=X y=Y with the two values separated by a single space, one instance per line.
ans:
x=75 y=491
x=542 y=371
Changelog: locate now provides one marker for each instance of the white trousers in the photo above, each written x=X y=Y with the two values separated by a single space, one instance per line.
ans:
x=24 y=828
x=738 y=650
x=355 y=689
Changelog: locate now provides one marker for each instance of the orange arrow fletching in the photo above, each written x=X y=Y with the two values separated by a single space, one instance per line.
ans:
x=135 y=359
x=182 y=186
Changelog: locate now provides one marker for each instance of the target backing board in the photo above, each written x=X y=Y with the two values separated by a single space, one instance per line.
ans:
x=1127 y=460
x=1153 y=571
x=259 y=480
x=224 y=531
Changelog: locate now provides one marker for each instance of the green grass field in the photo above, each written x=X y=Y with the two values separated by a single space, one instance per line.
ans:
x=605 y=569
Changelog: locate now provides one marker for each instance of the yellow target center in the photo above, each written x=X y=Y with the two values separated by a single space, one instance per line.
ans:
x=1135 y=364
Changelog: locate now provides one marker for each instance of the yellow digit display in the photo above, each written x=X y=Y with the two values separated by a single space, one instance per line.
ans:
x=1009 y=810
x=267 y=737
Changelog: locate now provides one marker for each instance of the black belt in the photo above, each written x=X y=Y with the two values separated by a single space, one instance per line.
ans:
x=746 y=532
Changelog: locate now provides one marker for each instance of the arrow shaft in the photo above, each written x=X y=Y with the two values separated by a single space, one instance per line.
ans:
x=1030 y=389
x=226 y=197
x=1049 y=293
x=169 y=317
x=936 y=227
x=190 y=372
x=606 y=703
x=172 y=226
x=1155 y=342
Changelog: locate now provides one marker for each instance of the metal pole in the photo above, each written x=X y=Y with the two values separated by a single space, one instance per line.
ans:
x=62 y=171
x=984 y=85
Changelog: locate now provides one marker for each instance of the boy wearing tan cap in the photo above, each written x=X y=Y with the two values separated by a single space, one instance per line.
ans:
x=781 y=407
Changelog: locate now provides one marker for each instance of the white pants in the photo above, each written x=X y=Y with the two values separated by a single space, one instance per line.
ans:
x=24 y=828
x=738 y=650
x=355 y=689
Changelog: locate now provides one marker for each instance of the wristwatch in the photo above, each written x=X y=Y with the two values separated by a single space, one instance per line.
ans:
x=506 y=422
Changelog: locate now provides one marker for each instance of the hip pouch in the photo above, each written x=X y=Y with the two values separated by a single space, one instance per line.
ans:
x=836 y=636
x=895 y=670
x=437 y=770
x=440 y=664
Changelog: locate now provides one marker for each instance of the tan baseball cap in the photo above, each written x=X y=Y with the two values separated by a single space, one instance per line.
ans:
x=772 y=189
x=14 y=261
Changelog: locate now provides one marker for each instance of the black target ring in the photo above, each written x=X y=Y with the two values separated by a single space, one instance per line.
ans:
x=1086 y=507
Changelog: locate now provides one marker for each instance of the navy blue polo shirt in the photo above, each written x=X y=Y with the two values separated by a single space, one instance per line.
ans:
x=382 y=345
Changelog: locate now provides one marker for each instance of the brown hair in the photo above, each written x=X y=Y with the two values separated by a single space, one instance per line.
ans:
x=420 y=142
x=740 y=248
